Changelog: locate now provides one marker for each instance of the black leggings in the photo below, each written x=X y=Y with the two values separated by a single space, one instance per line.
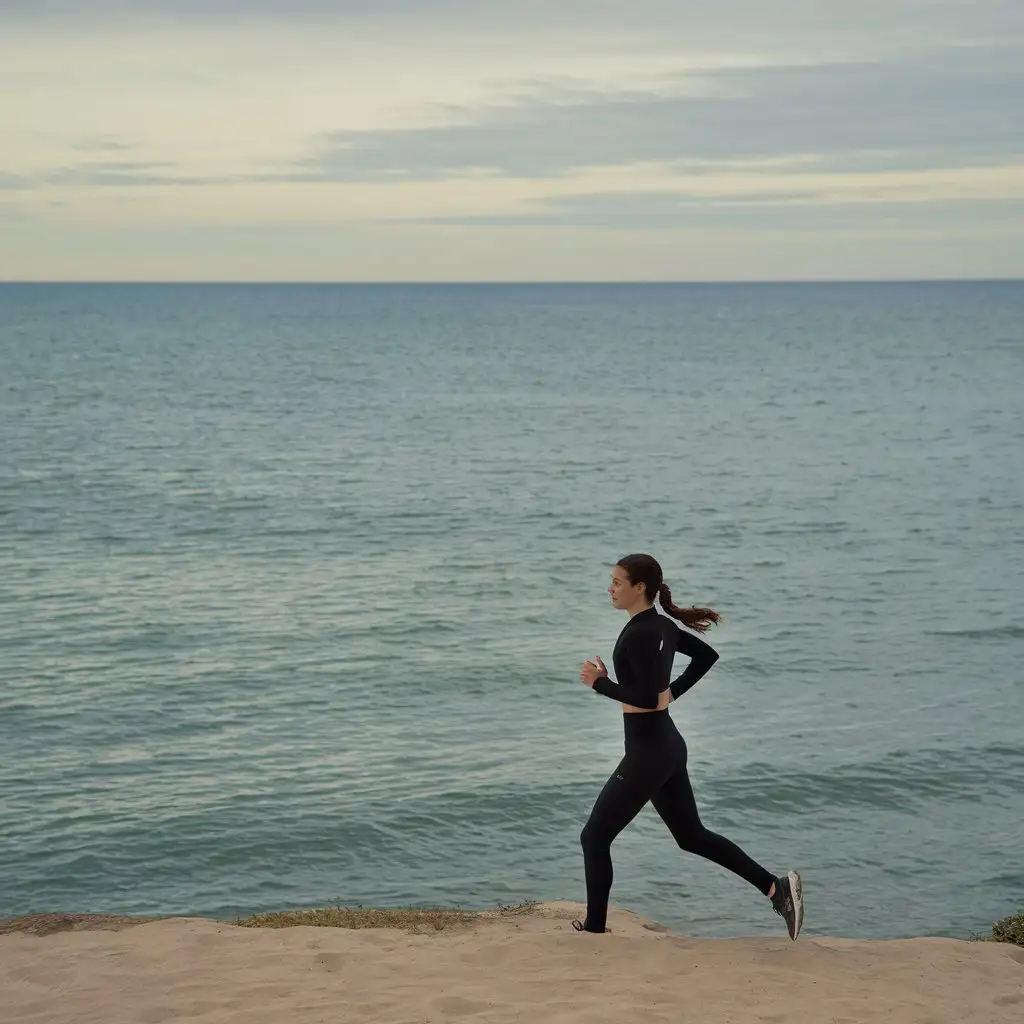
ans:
x=653 y=768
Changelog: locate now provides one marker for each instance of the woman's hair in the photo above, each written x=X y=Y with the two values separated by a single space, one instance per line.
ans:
x=645 y=569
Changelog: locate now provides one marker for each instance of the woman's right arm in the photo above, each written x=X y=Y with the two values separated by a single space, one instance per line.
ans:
x=702 y=656
x=640 y=651
x=636 y=695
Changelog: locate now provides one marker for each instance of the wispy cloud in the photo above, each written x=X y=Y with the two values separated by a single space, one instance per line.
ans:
x=13 y=181
x=795 y=212
x=101 y=144
x=126 y=174
x=944 y=108
x=115 y=174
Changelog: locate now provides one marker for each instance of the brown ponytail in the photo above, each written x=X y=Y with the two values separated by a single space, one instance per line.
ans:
x=699 y=619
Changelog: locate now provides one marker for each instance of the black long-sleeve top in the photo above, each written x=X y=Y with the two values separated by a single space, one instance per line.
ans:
x=643 y=656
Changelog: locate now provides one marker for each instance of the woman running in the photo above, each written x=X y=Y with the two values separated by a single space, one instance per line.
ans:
x=654 y=765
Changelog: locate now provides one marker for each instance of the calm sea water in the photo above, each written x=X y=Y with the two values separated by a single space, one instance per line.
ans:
x=295 y=583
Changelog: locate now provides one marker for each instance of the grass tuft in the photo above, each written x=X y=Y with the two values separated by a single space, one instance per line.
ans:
x=50 y=924
x=1009 y=929
x=430 y=919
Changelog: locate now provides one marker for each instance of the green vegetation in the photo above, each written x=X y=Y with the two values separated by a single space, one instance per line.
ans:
x=409 y=919
x=1009 y=929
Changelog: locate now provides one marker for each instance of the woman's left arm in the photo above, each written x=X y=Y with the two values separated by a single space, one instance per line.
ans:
x=702 y=656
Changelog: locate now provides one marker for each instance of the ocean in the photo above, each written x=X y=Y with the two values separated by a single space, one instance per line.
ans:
x=296 y=581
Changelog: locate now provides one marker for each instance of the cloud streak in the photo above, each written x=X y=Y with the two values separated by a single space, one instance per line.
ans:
x=102 y=144
x=948 y=108
x=799 y=212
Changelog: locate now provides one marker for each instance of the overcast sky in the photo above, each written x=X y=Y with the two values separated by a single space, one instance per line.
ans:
x=415 y=140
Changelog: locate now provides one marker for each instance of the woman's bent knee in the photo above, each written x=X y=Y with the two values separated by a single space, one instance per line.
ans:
x=592 y=840
x=693 y=841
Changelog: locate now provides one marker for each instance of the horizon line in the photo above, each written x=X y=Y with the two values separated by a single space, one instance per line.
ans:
x=512 y=282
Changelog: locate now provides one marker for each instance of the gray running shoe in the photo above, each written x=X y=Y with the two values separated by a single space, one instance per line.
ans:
x=788 y=902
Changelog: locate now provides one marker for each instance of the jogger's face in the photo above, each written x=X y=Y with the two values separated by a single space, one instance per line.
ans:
x=623 y=593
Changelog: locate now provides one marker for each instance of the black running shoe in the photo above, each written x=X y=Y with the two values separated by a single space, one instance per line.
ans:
x=788 y=902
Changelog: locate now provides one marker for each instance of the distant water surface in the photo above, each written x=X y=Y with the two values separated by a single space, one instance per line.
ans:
x=295 y=583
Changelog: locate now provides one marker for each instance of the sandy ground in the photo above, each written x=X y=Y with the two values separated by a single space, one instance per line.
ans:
x=528 y=967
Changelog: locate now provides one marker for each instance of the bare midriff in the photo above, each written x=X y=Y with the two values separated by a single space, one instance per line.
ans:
x=664 y=699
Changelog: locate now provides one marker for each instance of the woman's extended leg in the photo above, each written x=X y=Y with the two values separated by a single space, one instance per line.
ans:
x=675 y=803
